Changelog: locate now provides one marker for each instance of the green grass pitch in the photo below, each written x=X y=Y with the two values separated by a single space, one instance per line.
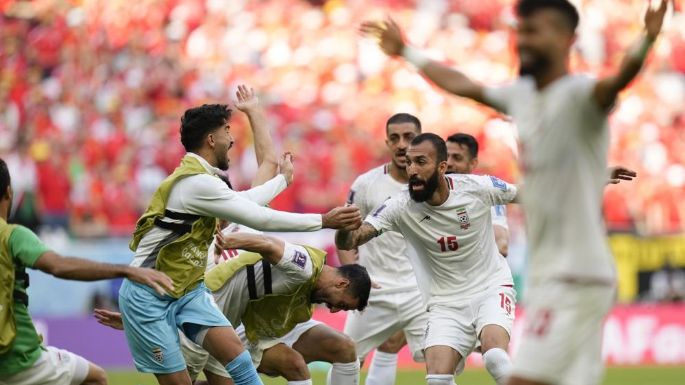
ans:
x=614 y=376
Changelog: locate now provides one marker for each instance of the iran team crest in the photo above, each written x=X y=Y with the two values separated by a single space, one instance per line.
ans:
x=158 y=354
x=463 y=218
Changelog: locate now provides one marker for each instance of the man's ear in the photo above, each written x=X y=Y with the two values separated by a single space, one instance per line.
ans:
x=442 y=167
x=343 y=283
x=474 y=163
x=7 y=194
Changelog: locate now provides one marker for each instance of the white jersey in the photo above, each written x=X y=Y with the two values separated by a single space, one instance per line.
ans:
x=453 y=246
x=294 y=269
x=385 y=257
x=564 y=143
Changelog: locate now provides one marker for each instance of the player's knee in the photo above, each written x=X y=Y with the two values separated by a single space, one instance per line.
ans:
x=346 y=350
x=96 y=376
x=294 y=367
x=393 y=345
x=494 y=336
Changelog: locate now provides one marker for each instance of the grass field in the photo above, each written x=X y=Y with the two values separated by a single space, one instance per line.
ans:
x=614 y=376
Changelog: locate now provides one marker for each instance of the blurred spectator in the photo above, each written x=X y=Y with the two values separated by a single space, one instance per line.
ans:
x=668 y=284
x=93 y=91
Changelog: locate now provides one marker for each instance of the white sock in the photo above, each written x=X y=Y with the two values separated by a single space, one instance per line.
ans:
x=303 y=382
x=344 y=373
x=440 y=379
x=498 y=364
x=383 y=369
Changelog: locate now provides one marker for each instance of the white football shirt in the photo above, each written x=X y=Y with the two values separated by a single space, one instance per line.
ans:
x=452 y=245
x=384 y=257
x=563 y=152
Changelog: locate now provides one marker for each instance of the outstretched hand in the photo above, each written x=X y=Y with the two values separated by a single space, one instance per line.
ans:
x=654 y=18
x=389 y=35
x=109 y=318
x=247 y=99
x=619 y=173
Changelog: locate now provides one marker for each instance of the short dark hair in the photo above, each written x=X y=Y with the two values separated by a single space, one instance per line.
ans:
x=360 y=282
x=5 y=180
x=403 y=117
x=437 y=142
x=526 y=8
x=466 y=140
x=198 y=122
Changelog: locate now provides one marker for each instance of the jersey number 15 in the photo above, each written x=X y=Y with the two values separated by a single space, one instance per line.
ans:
x=448 y=243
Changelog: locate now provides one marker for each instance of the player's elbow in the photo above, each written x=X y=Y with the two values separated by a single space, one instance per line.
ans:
x=503 y=247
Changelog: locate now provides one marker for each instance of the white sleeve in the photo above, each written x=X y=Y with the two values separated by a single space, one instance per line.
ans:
x=384 y=217
x=265 y=193
x=357 y=196
x=295 y=264
x=499 y=216
x=492 y=190
x=499 y=97
x=214 y=198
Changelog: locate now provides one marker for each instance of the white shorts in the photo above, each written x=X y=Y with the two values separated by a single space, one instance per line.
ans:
x=197 y=359
x=562 y=339
x=54 y=367
x=458 y=326
x=385 y=315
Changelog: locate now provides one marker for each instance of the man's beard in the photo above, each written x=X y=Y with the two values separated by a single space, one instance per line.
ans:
x=538 y=66
x=429 y=187
x=222 y=160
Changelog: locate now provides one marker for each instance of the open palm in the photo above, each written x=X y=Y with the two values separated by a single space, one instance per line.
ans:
x=654 y=18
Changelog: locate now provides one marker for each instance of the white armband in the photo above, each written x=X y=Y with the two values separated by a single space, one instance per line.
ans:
x=414 y=56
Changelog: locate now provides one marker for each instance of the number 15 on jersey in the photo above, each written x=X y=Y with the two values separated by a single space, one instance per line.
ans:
x=448 y=243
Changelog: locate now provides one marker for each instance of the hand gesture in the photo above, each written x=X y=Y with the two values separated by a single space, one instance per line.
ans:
x=619 y=173
x=348 y=218
x=109 y=318
x=287 y=167
x=247 y=100
x=150 y=277
x=654 y=19
x=388 y=33
x=219 y=241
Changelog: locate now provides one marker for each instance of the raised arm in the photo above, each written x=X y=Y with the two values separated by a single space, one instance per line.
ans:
x=267 y=160
x=607 y=89
x=391 y=40
x=269 y=247
x=348 y=240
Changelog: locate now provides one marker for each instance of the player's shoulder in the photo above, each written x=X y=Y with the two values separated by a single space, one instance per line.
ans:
x=372 y=175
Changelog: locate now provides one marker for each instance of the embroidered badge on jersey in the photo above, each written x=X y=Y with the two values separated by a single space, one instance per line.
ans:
x=299 y=259
x=463 y=218
x=498 y=183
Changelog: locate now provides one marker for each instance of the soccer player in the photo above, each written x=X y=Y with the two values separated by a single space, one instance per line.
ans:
x=173 y=236
x=269 y=285
x=397 y=305
x=24 y=360
x=445 y=219
x=462 y=158
x=562 y=123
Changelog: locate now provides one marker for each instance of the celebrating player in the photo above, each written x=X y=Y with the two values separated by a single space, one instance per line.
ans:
x=23 y=358
x=462 y=158
x=562 y=122
x=446 y=221
x=269 y=286
x=173 y=236
x=397 y=305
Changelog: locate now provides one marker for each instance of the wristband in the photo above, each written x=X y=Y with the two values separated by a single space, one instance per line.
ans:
x=415 y=56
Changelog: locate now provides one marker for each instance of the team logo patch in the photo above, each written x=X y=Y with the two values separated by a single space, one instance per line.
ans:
x=299 y=259
x=463 y=218
x=158 y=354
x=498 y=183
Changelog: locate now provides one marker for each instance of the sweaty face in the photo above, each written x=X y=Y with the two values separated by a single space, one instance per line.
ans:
x=399 y=135
x=422 y=167
x=223 y=141
x=542 y=39
x=459 y=160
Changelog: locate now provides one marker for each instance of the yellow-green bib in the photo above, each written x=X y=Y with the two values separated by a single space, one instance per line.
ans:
x=185 y=258
x=272 y=315
x=8 y=327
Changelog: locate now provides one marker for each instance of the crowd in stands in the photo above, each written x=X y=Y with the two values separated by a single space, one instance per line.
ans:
x=92 y=93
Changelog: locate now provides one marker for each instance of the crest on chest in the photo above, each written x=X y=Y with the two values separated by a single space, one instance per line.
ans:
x=463 y=218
